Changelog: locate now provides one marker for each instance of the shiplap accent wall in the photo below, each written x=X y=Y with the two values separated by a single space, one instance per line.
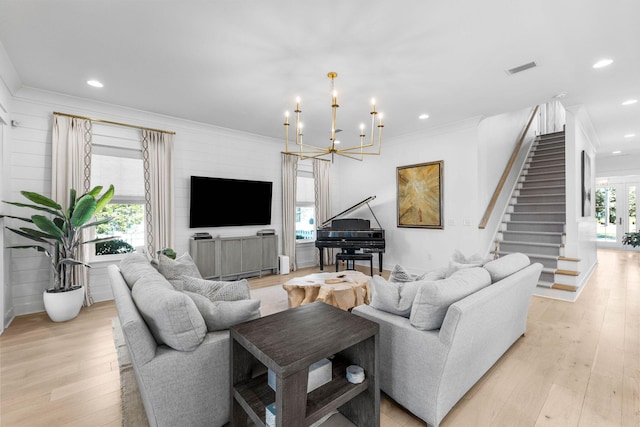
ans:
x=199 y=150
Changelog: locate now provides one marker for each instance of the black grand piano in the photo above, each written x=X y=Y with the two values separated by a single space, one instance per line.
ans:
x=351 y=234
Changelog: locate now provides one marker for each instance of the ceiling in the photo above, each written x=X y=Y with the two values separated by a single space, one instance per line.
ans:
x=241 y=64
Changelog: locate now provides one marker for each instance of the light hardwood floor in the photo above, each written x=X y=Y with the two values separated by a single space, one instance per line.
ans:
x=577 y=365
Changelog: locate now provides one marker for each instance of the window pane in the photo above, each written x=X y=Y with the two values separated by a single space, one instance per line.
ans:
x=305 y=223
x=127 y=223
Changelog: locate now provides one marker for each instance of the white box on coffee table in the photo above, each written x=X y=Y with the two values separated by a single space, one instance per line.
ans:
x=319 y=374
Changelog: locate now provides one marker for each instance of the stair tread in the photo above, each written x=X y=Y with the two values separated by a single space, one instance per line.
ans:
x=520 y=242
x=563 y=258
x=568 y=272
x=545 y=284
x=538 y=204
x=537 y=222
x=502 y=253
x=537 y=233
x=563 y=287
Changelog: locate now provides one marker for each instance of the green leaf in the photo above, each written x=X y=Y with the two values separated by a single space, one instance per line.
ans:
x=72 y=198
x=17 y=217
x=106 y=198
x=48 y=226
x=95 y=191
x=39 y=199
x=36 y=247
x=37 y=233
x=39 y=208
x=35 y=238
x=99 y=222
x=102 y=239
x=71 y=261
x=84 y=210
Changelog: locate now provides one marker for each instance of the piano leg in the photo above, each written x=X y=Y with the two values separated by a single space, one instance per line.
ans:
x=321 y=259
x=380 y=263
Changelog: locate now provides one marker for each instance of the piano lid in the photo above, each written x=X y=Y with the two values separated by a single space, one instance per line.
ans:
x=351 y=209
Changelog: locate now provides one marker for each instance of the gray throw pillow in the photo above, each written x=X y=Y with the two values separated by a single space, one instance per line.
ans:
x=218 y=290
x=434 y=298
x=393 y=297
x=133 y=266
x=506 y=265
x=172 y=316
x=219 y=315
x=173 y=270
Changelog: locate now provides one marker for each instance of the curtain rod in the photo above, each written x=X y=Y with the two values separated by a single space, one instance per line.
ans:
x=109 y=122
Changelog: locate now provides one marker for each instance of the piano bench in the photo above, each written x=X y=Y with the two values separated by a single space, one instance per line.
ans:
x=352 y=258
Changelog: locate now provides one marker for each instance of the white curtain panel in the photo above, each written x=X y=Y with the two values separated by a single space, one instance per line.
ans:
x=322 y=182
x=71 y=168
x=289 y=178
x=157 y=156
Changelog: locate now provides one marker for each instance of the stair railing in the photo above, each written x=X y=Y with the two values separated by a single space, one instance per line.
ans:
x=507 y=171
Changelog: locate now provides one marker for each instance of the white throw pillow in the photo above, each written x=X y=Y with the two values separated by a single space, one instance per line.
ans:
x=434 y=298
x=219 y=315
x=216 y=290
x=172 y=270
x=506 y=265
x=393 y=297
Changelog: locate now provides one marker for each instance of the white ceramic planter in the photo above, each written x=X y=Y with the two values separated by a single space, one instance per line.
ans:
x=63 y=306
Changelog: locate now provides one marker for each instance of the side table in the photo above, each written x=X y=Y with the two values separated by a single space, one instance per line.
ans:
x=287 y=343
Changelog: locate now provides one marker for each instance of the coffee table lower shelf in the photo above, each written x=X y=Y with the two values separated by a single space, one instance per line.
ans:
x=255 y=395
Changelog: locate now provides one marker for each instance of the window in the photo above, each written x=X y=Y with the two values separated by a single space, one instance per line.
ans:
x=117 y=160
x=305 y=206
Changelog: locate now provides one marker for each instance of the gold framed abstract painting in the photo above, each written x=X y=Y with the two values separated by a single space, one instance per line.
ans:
x=420 y=195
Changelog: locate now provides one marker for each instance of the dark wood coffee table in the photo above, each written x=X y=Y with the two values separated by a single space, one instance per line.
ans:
x=287 y=343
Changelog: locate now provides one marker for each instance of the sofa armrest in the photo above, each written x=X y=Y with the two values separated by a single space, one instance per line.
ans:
x=142 y=345
x=189 y=387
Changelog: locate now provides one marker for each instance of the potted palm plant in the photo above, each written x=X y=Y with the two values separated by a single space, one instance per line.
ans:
x=59 y=236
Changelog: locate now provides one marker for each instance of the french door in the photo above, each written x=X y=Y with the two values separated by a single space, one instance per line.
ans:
x=616 y=212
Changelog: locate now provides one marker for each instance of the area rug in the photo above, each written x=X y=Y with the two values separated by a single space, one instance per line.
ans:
x=273 y=299
x=133 y=414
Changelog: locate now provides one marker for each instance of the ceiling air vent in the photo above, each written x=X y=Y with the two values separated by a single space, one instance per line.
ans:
x=521 y=68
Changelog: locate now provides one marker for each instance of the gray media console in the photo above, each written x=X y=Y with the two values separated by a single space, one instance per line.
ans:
x=234 y=257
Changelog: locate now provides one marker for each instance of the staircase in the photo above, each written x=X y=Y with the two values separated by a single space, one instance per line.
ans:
x=534 y=223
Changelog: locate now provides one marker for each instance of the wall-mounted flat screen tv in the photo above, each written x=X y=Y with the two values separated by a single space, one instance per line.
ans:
x=222 y=202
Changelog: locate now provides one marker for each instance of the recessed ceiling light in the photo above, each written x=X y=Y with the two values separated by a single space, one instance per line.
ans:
x=630 y=102
x=423 y=116
x=630 y=135
x=616 y=152
x=603 y=63
x=94 y=83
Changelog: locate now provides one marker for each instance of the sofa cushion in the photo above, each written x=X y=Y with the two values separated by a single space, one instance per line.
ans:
x=393 y=297
x=220 y=315
x=172 y=316
x=217 y=290
x=434 y=298
x=133 y=266
x=506 y=265
x=173 y=270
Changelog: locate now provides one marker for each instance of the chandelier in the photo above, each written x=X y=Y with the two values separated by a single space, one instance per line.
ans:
x=357 y=152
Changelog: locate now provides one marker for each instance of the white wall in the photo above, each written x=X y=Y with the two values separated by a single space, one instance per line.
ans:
x=580 y=231
x=199 y=150
x=611 y=165
x=414 y=248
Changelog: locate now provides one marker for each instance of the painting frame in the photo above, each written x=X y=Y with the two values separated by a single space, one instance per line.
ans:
x=420 y=195
x=585 y=180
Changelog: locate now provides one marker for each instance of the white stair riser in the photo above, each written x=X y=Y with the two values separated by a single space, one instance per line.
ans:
x=565 y=279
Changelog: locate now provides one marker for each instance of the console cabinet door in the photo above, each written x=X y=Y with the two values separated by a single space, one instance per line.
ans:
x=205 y=256
x=251 y=254
x=230 y=256
x=269 y=252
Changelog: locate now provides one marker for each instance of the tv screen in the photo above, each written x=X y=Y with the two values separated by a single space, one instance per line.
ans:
x=221 y=202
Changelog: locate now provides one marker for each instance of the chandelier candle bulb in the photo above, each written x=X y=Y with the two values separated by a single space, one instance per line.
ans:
x=356 y=152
